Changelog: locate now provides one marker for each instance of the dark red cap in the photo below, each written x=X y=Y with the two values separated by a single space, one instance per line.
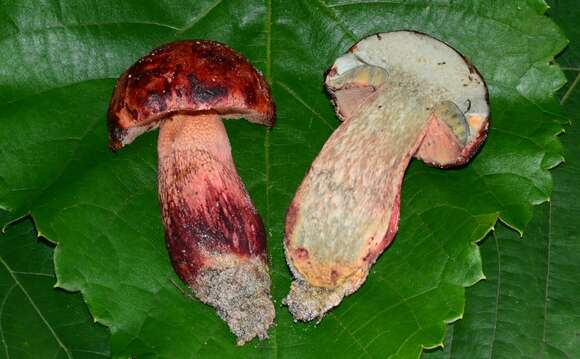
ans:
x=187 y=77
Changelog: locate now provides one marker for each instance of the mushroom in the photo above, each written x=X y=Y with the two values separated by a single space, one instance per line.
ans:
x=213 y=233
x=400 y=94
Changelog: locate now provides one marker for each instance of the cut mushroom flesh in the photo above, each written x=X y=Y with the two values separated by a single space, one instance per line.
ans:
x=400 y=94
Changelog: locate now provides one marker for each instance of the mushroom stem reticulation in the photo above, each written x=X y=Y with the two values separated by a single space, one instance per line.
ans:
x=214 y=235
x=400 y=94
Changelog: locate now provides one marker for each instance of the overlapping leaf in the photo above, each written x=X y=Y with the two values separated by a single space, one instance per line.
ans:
x=59 y=61
x=528 y=307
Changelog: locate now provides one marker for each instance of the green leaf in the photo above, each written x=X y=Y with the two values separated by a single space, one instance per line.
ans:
x=528 y=307
x=59 y=61
x=36 y=320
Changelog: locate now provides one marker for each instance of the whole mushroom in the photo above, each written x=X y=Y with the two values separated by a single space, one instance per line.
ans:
x=214 y=234
x=400 y=94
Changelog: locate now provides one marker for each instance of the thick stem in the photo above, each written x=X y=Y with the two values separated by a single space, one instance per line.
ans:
x=346 y=210
x=214 y=235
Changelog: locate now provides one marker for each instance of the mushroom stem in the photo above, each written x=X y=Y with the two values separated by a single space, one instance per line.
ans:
x=213 y=232
x=346 y=211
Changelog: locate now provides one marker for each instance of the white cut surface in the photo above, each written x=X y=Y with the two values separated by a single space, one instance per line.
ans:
x=431 y=61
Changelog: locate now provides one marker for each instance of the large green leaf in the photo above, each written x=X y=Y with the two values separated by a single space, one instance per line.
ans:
x=529 y=305
x=36 y=320
x=59 y=60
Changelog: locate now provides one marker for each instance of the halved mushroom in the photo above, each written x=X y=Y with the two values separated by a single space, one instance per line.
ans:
x=400 y=94
x=214 y=234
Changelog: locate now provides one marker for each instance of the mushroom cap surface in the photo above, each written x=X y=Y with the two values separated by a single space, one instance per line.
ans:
x=193 y=76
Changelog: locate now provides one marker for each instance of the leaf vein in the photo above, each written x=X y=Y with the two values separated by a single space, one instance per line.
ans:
x=35 y=273
x=81 y=26
x=268 y=25
x=197 y=18
x=36 y=309
x=43 y=92
x=497 y=296
x=432 y=4
x=548 y=259
x=338 y=20
x=6 y=295
x=339 y=322
x=303 y=103
x=570 y=90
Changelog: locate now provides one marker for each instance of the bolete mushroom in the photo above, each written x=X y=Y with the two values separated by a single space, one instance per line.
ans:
x=400 y=94
x=214 y=234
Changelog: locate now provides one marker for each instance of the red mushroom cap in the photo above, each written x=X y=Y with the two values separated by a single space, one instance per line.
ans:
x=186 y=77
